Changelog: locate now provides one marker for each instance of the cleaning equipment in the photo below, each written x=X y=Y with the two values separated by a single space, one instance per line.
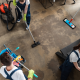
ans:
x=10 y=52
x=69 y=22
x=35 y=43
x=18 y=57
x=6 y=15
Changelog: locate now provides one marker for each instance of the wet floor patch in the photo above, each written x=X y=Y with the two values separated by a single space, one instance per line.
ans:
x=60 y=11
x=52 y=65
x=43 y=11
x=40 y=75
x=35 y=12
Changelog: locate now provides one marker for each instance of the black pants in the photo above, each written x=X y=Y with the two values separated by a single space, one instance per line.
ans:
x=66 y=68
x=65 y=1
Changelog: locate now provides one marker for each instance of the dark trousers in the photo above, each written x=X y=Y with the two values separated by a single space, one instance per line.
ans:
x=22 y=7
x=66 y=68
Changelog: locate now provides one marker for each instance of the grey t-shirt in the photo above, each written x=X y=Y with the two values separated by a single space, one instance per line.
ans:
x=73 y=57
x=27 y=2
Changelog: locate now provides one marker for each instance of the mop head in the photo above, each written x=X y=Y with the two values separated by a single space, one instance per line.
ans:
x=35 y=44
x=71 y=25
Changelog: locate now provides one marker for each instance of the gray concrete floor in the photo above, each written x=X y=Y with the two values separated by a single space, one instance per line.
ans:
x=47 y=27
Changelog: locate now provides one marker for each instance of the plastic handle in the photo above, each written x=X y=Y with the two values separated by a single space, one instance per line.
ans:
x=5 y=46
x=17 y=48
x=35 y=75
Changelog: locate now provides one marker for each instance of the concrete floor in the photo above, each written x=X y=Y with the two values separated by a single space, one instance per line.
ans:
x=47 y=27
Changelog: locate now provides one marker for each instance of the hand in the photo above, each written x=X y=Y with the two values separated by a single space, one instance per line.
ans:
x=31 y=73
x=29 y=79
x=24 y=18
x=14 y=2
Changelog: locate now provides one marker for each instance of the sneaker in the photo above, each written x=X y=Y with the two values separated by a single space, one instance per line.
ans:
x=64 y=3
x=18 y=20
x=27 y=27
x=74 y=2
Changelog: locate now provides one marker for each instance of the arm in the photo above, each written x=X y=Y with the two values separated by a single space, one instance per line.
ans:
x=20 y=76
x=76 y=65
x=30 y=75
x=25 y=10
x=29 y=79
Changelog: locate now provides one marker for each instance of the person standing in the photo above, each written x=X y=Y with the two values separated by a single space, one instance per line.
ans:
x=25 y=6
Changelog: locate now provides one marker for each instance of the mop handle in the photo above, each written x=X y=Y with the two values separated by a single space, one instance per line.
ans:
x=19 y=10
x=19 y=61
x=76 y=13
x=15 y=49
x=30 y=31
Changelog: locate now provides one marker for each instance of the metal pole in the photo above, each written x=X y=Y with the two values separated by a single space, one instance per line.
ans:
x=30 y=33
x=26 y=23
x=74 y=16
x=76 y=13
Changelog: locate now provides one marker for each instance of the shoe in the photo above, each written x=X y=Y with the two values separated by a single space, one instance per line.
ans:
x=60 y=68
x=64 y=4
x=27 y=27
x=74 y=2
x=18 y=20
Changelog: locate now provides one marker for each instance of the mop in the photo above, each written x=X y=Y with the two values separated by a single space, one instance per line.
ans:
x=35 y=43
x=10 y=52
x=71 y=25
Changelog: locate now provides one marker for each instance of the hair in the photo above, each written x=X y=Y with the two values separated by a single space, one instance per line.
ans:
x=21 y=0
x=5 y=59
x=76 y=47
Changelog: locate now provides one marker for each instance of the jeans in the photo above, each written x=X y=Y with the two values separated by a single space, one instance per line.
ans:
x=22 y=7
